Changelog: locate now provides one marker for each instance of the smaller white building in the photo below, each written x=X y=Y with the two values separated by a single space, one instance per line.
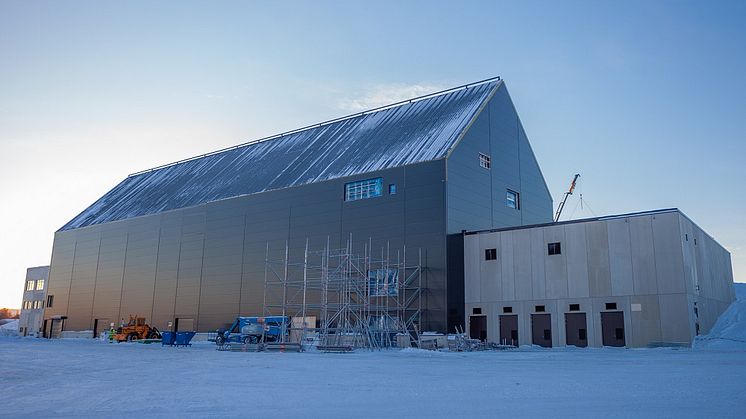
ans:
x=34 y=301
x=635 y=280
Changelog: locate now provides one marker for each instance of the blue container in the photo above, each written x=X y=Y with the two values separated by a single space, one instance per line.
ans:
x=167 y=338
x=183 y=338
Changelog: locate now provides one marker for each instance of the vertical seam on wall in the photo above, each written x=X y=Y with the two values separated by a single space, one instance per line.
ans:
x=195 y=324
x=72 y=272
x=243 y=251
x=178 y=271
x=155 y=274
x=95 y=276
x=124 y=272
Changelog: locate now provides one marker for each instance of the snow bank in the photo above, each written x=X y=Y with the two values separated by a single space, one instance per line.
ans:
x=10 y=328
x=730 y=330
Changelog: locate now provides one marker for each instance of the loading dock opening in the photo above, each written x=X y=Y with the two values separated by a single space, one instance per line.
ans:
x=478 y=327
x=541 y=330
x=509 y=329
x=576 y=329
x=612 y=328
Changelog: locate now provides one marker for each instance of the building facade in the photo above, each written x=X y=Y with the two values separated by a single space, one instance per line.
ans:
x=636 y=280
x=34 y=301
x=186 y=243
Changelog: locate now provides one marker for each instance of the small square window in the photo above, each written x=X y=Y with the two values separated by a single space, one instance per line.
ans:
x=540 y=309
x=511 y=199
x=490 y=254
x=29 y=285
x=476 y=310
x=611 y=306
x=507 y=309
x=485 y=161
x=574 y=307
x=554 y=248
x=39 y=284
x=392 y=188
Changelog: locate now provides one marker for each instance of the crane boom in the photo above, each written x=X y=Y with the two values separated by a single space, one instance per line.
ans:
x=564 y=199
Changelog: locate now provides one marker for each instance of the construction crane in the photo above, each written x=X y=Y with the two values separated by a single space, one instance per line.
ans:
x=568 y=193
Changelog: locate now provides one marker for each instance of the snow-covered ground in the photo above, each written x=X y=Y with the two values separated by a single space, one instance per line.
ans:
x=9 y=327
x=74 y=378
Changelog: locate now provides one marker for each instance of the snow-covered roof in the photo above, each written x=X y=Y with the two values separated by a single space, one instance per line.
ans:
x=409 y=132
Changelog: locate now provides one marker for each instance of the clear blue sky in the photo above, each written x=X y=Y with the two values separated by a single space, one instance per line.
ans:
x=646 y=99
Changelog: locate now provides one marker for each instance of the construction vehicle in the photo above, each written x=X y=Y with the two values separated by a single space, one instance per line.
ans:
x=248 y=330
x=564 y=200
x=136 y=329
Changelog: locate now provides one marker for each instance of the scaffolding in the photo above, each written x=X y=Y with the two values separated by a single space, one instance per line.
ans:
x=340 y=299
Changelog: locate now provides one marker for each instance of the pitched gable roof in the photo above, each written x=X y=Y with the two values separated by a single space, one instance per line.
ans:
x=414 y=131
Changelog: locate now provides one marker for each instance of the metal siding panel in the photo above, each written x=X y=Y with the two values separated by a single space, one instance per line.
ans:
x=577 y=260
x=620 y=257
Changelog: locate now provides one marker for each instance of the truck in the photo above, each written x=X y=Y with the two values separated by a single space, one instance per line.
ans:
x=249 y=330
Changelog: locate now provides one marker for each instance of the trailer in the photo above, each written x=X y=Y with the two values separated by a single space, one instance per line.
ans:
x=253 y=330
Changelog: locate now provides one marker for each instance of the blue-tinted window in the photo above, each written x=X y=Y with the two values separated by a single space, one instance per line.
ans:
x=392 y=189
x=362 y=189
x=512 y=200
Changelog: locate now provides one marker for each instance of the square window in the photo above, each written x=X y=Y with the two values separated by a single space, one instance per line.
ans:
x=39 y=284
x=554 y=248
x=512 y=200
x=507 y=309
x=574 y=307
x=611 y=306
x=485 y=161
x=29 y=285
x=476 y=310
x=540 y=309
x=490 y=254
x=392 y=188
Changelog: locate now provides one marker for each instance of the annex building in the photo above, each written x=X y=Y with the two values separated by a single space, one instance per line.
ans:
x=642 y=279
x=185 y=243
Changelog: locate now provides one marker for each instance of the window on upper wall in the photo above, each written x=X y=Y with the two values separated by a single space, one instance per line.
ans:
x=363 y=189
x=512 y=199
x=39 y=284
x=485 y=161
x=554 y=248
x=29 y=285
x=392 y=188
x=490 y=254
x=50 y=300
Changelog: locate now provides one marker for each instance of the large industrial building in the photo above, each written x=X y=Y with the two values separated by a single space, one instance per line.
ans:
x=449 y=176
x=185 y=244
x=642 y=279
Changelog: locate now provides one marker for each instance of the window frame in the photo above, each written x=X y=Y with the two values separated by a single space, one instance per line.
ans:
x=554 y=248
x=363 y=189
x=485 y=161
x=392 y=188
x=40 y=284
x=30 y=284
x=516 y=199
x=490 y=254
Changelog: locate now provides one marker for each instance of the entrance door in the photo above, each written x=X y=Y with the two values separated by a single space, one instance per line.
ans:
x=56 y=328
x=509 y=329
x=99 y=325
x=576 y=330
x=612 y=328
x=478 y=327
x=541 y=330
x=184 y=325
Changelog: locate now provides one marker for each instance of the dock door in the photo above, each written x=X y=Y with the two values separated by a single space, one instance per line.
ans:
x=576 y=329
x=541 y=330
x=612 y=328
x=478 y=327
x=509 y=329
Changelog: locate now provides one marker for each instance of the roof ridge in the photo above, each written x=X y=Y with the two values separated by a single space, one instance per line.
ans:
x=321 y=124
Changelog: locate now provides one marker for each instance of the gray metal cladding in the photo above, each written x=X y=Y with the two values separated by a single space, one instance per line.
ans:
x=417 y=131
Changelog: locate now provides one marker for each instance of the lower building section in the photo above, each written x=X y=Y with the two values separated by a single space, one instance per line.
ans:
x=633 y=280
